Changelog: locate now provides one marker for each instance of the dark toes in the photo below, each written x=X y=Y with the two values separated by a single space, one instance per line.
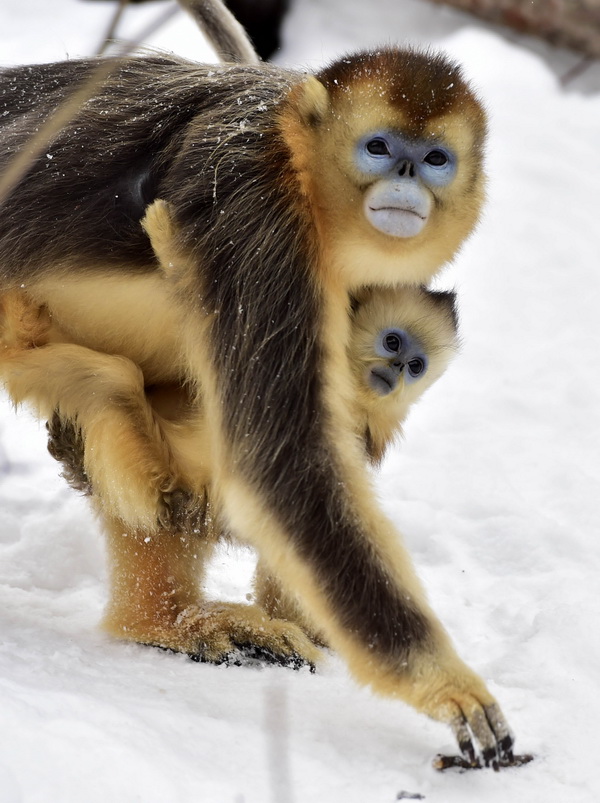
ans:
x=463 y=737
x=488 y=728
x=255 y=654
x=462 y=764
x=252 y=655
x=490 y=758
x=505 y=748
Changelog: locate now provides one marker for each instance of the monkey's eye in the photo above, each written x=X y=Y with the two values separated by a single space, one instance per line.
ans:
x=378 y=147
x=392 y=343
x=416 y=367
x=436 y=158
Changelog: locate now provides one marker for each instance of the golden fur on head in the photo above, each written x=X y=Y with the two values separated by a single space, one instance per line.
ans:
x=379 y=91
x=430 y=318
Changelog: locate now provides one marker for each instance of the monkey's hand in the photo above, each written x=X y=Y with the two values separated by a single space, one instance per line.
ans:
x=453 y=693
x=155 y=500
x=65 y=444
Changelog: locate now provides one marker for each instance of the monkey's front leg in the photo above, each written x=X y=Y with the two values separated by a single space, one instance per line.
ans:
x=360 y=590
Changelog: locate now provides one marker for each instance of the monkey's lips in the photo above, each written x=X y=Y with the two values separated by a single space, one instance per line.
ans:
x=397 y=221
x=382 y=379
x=397 y=207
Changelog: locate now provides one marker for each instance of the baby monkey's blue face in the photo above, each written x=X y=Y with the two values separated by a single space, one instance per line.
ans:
x=401 y=356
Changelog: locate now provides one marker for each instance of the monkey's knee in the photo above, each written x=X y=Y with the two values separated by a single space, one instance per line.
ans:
x=174 y=509
x=24 y=324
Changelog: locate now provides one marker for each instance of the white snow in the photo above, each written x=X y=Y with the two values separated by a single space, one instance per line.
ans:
x=496 y=491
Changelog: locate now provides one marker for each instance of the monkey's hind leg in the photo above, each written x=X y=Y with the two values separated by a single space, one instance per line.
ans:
x=126 y=460
x=156 y=600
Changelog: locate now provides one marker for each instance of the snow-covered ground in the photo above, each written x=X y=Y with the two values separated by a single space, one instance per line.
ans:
x=496 y=491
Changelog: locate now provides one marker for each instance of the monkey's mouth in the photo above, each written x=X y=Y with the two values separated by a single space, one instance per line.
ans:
x=382 y=380
x=397 y=221
x=397 y=209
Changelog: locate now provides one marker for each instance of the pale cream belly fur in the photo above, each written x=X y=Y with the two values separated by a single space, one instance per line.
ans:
x=132 y=316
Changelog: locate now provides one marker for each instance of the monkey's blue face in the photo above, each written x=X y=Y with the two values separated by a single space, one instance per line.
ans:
x=402 y=355
x=406 y=173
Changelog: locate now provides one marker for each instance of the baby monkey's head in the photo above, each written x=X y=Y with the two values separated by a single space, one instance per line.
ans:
x=402 y=341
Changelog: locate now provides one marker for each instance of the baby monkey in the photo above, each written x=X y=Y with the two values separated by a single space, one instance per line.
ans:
x=402 y=340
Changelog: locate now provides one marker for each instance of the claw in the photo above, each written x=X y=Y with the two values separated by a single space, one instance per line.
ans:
x=506 y=748
x=487 y=726
x=442 y=763
x=463 y=737
x=490 y=758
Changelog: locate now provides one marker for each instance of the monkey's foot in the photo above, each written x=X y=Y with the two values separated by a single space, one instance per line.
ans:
x=238 y=634
x=223 y=633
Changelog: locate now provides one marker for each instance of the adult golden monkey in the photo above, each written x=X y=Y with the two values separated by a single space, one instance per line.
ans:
x=290 y=192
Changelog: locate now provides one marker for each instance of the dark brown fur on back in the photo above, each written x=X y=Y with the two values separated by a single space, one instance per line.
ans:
x=159 y=127
x=96 y=178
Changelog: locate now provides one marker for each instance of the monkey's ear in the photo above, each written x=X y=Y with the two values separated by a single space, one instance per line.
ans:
x=444 y=299
x=311 y=100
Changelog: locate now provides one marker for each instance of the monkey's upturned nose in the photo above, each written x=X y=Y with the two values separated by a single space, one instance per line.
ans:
x=406 y=169
x=398 y=365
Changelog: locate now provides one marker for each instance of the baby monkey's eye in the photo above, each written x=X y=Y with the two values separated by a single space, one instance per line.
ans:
x=416 y=367
x=436 y=158
x=392 y=343
x=378 y=147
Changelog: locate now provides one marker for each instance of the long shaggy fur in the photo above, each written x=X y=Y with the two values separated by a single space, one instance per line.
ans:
x=258 y=165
